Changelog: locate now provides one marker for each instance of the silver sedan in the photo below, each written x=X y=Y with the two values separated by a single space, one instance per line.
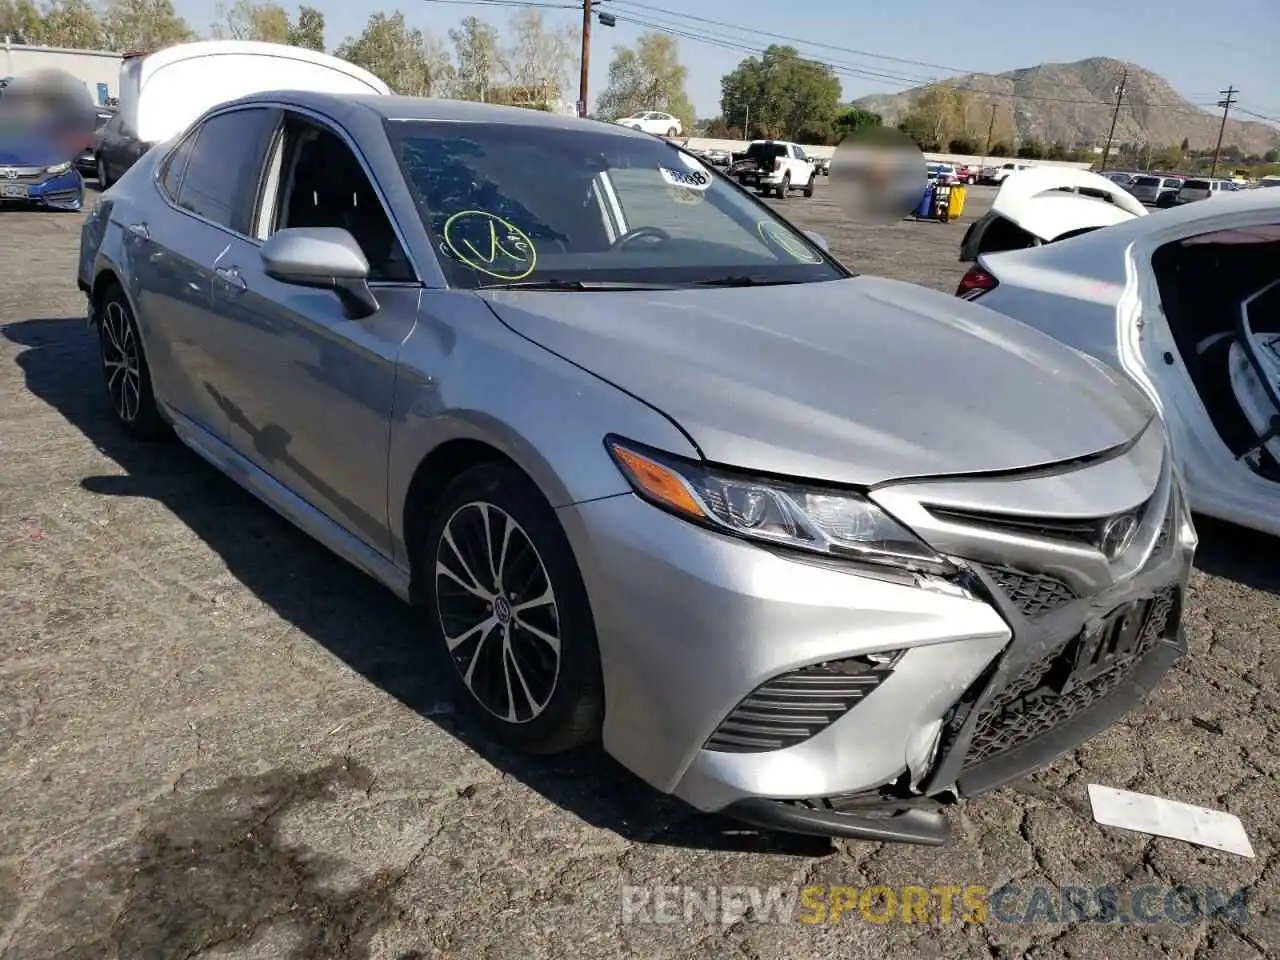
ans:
x=819 y=551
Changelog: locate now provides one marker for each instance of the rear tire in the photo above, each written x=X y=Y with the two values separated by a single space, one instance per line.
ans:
x=517 y=637
x=125 y=371
x=673 y=132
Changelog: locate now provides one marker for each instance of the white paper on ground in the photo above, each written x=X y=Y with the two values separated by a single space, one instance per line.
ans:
x=1169 y=818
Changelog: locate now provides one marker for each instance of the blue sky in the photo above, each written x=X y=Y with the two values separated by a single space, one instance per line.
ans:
x=1200 y=48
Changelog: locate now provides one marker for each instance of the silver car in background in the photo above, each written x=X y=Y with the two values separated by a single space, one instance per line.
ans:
x=819 y=551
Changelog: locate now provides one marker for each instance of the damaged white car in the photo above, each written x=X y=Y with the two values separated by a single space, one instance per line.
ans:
x=1186 y=302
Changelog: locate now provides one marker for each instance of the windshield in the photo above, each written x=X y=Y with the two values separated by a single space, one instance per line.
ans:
x=514 y=203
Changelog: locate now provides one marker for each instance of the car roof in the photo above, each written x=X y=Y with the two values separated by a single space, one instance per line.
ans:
x=383 y=107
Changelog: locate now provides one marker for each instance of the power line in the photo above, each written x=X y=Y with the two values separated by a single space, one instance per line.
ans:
x=861 y=73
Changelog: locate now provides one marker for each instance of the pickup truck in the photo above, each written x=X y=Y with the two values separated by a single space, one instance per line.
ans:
x=775 y=167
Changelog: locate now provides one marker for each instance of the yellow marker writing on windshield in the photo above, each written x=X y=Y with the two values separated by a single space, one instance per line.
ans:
x=502 y=250
x=772 y=233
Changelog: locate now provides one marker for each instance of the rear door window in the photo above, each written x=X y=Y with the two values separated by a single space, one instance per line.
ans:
x=225 y=168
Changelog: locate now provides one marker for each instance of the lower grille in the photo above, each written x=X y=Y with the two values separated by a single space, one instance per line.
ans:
x=792 y=708
x=1032 y=593
x=1029 y=707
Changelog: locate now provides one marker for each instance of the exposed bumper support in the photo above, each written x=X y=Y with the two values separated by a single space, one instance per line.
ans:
x=926 y=827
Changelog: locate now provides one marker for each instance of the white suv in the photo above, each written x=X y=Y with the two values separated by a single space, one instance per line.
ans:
x=651 y=121
x=777 y=167
x=1001 y=175
x=1201 y=189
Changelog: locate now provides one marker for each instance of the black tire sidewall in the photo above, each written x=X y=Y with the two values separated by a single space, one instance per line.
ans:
x=575 y=711
x=148 y=424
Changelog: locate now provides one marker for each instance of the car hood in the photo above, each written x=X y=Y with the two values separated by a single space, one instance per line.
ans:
x=854 y=381
x=30 y=152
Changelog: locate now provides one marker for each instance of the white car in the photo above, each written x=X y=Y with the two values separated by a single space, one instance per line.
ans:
x=1003 y=173
x=651 y=121
x=1193 y=190
x=1185 y=302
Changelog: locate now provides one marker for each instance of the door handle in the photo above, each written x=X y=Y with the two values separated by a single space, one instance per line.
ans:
x=140 y=230
x=231 y=277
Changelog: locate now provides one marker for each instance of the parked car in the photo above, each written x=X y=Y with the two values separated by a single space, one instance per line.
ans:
x=1120 y=178
x=43 y=123
x=162 y=92
x=655 y=468
x=968 y=173
x=1005 y=169
x=1150 y=188
x=1043 y=205
x=1187 y=306
x=944 y=173
x=86 y=161
x=775 y=166
x=655 y=122
x=717 y=158
x=1201 y=189
x=821 y=166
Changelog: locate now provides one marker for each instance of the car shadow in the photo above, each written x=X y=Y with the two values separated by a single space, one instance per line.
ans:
x=342 y=609
x=1237 y=553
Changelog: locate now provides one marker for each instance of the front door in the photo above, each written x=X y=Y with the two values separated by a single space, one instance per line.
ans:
x=313 y=390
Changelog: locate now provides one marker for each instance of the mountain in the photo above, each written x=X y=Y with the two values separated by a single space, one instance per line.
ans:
x=1074 y=103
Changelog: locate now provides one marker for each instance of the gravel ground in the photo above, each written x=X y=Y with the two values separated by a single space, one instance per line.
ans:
x=215 y=738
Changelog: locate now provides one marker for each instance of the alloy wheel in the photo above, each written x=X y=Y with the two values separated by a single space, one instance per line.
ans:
x=120 y=360
x=498 y=612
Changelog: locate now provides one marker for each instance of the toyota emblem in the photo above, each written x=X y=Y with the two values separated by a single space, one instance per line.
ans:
x=1117 y=535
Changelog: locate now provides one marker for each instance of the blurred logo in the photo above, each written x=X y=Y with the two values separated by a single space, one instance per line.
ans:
x=10 y=173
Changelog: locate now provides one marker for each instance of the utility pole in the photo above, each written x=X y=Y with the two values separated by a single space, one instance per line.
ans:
x=987 y=149
x=586 y=58
x=1225 y=103
x=1106 y=151
x=606 y=20
x=746 y=125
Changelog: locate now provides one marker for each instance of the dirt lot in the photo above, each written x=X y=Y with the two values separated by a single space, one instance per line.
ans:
x=216 y=741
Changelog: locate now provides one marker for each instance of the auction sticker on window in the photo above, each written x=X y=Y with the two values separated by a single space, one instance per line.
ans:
x=486 y=242
x=689 y=179
x=776 y=236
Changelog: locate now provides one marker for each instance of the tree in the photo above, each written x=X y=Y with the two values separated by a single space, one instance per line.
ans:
x=1056 y=151
x=267 y=22
x=407 y=60
x=479 y=57
x=540 y=59
x=1001 y=148
x=917 y=127
x=308 y=29
x=20 y=20
x=1031 y=150
x=855 y=120
x=784 y=94
x=1271 y=156
x=941 y=112
x=964 y=146
x=647 y=77
x=143 y=25
x=71 y=23
x=1186 y=145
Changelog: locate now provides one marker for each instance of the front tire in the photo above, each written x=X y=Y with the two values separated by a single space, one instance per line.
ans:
x=508 y=611
x=808 y=187
x=784 y=187
x=125 y=370
x=104 y=181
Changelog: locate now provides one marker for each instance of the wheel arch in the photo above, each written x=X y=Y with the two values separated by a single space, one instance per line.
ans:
x=431 y=478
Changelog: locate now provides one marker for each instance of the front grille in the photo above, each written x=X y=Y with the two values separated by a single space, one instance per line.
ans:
x=1029 y=707
x=24 y=175
x=792 y=708
x=1089 y=532
x=1032 y=593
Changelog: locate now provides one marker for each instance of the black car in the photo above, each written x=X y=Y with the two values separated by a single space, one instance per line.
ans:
x=118 y=149
x=87 y=160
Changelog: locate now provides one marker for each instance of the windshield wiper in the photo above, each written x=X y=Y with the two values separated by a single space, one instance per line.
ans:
x=574 y=285
x=732 y=281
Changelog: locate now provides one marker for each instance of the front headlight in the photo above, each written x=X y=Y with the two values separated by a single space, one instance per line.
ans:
x=59 y=167
x=833 y=523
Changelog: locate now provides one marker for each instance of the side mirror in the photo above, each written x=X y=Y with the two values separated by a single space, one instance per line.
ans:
x=325 y=258
x=818 y=238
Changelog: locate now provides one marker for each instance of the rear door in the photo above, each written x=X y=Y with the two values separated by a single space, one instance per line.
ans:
x=313 y=388
x=208 y=185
